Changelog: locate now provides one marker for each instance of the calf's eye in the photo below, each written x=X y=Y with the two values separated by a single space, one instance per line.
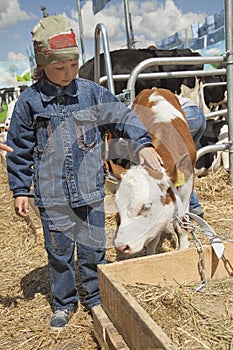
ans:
x=145 y=208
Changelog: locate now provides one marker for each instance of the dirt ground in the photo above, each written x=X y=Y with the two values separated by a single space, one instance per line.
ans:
x=24 y=290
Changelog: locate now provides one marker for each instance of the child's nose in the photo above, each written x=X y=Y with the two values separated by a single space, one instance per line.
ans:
x=68 y=72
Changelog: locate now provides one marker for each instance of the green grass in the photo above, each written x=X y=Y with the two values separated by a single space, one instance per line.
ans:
x=3 y=114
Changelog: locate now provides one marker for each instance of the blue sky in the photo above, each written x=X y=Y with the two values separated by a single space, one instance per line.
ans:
x=152 y=21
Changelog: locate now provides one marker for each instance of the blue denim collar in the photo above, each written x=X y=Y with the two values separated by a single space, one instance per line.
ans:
x=49 y=91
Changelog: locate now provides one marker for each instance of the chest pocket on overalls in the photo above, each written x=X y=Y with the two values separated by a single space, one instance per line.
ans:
x=86 y=129
x=44 y=135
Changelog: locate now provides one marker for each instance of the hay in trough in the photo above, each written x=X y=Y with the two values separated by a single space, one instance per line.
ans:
x=192 y=319
x=25 y=293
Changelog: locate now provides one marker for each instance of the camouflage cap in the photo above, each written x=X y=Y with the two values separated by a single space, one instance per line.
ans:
x=54 y=40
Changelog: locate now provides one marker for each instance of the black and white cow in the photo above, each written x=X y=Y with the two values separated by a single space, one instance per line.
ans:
x=9 y=96
x=124 y=61
x=216 y=132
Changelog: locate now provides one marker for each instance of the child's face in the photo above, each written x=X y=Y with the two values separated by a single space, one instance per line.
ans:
x=61 y=73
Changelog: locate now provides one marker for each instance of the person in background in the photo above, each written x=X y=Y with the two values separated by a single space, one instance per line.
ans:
x=197 y=124
x=56 y=132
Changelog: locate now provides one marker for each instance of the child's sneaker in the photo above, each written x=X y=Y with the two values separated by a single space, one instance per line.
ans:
x=60 y=319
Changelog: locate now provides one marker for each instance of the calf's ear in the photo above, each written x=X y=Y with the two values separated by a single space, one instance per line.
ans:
x=184 y=166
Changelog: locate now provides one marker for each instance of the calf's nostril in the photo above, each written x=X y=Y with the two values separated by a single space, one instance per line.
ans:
x=123 y=248
x=126 y=249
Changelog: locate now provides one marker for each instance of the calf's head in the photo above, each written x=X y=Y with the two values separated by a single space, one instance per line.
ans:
x=146 y=206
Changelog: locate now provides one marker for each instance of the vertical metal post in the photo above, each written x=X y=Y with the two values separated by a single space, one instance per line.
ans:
x=229 y=75
x=100 y=29
x=131 y=31
x=127 y=25
x=44 y=11
x=80 y=23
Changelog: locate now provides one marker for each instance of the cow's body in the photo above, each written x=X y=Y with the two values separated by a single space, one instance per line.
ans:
x=210 y=97
x=123 y=62
x=213 y=95
x=216 y=132
x=146 y=199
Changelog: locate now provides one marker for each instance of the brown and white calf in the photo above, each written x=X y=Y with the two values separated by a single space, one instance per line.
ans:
x=147 y=200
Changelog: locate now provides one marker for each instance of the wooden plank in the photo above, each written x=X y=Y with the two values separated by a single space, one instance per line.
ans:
x=32 y=205
x=172 y=268
x=137 y=328
x=105 y=332
x=34 y=221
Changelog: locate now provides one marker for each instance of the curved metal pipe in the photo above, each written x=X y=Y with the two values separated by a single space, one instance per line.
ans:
x=100 y=29
x=167 y=61
x=212 y=148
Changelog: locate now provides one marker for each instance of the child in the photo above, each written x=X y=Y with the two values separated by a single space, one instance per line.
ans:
x=55 y=132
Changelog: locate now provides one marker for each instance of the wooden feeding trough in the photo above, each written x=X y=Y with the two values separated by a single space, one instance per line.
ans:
x=120 y=322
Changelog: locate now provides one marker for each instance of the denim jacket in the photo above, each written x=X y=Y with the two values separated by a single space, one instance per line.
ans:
x=56 y=133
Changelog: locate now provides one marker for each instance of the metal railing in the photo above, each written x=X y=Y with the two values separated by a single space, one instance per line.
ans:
x=128 y=95
x=101 y=30
x=176 y=74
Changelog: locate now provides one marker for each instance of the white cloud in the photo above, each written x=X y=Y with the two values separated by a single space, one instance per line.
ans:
x=7 y=79
x=10 y=13
x=151 y=22
x=12 y=56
